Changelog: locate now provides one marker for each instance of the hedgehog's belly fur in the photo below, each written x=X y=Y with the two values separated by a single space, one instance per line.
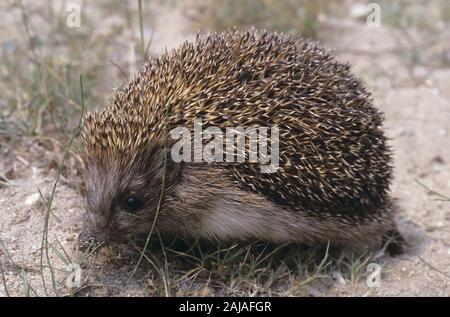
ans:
x=221 y=211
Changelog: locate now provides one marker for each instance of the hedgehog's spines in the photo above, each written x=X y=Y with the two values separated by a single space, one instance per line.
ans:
x=334 y=157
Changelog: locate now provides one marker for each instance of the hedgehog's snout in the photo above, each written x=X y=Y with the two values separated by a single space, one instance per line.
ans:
x=87 y=241
x=90 y=238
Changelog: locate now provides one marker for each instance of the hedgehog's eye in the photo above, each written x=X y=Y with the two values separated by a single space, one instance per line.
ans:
x=131 y=203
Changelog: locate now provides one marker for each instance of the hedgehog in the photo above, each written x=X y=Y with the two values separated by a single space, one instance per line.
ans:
x=331 y=185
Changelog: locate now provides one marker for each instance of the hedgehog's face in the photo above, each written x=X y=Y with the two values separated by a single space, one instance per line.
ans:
x=118 y=195
x=121 y=202
x=124 y=164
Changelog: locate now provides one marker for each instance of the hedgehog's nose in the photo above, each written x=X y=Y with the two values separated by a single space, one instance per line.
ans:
x=88 y=242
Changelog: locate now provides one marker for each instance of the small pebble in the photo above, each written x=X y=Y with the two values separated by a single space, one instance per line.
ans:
x=337 y=276
x=32 y=199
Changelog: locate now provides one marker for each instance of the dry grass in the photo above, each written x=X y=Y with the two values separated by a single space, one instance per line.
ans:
x=178 y=268
x=42 y=59
x=291 y=16
x=423 y=30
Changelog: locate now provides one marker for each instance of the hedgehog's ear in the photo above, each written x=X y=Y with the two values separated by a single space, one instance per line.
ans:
x=173 y=170
x=160 y=163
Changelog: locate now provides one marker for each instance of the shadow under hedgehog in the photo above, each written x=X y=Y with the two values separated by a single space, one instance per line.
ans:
x=332 y=184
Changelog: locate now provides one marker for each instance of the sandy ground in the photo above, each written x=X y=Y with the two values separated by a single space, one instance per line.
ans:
x=417 y=115
x=418 y=122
